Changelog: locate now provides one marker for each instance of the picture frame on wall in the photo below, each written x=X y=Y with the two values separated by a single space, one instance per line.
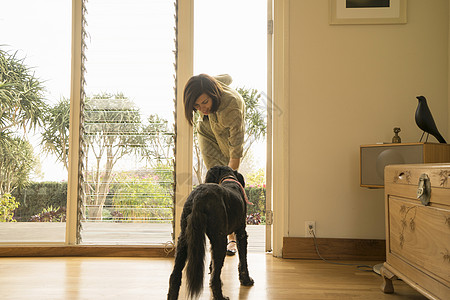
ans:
x=367 y=12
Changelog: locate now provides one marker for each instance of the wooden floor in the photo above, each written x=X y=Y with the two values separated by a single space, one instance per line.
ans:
x=147 y=278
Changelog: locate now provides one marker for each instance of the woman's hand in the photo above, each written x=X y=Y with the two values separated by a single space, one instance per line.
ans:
x=234 y=163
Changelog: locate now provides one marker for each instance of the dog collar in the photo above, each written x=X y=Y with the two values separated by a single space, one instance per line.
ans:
x=240 y=185
x=225 y=178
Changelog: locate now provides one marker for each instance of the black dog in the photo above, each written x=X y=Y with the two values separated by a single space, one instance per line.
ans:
x=215 y=208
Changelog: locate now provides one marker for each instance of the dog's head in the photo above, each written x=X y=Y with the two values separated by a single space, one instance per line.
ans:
x=218 y=173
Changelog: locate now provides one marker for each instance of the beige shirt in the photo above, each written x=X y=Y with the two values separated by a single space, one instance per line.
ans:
x=227 y=123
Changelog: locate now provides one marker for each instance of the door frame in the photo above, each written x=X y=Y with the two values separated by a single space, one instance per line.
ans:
x=280 y=124
x=184 y=134
x=269 y=211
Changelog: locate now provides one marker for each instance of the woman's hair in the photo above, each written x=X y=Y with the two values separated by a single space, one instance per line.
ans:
x=196 y=86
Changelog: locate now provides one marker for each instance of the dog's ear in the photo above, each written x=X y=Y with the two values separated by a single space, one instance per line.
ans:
x=211 y=175
x=240 y=178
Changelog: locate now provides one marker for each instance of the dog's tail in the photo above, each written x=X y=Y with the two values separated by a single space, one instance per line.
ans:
x=195 y=234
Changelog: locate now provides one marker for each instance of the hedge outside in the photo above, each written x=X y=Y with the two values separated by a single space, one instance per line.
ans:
x=257 y=196
x=37 y=196
x=40 y=195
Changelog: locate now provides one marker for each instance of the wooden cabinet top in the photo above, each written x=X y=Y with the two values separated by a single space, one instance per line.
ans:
x=404 y=144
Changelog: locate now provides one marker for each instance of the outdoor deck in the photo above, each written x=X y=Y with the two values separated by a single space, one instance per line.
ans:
x=108 y=234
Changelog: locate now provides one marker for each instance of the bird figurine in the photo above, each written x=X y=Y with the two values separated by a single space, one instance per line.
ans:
x=425 y=120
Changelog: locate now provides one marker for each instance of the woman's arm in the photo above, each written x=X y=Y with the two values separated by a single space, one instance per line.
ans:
x=234 y=163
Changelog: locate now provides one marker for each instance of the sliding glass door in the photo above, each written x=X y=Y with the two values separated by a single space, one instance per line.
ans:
x=128 y=121
x=127 y=125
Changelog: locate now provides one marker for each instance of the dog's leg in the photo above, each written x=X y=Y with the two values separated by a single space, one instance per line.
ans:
x=180 y=261
x=241 y=239
x=218 y=252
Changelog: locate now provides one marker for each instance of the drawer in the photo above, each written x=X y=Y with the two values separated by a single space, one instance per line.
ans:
x=409 y=174
x=403 y=180
x=420 y=235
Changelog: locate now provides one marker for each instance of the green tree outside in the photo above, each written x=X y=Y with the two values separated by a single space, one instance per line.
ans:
x=55 y=136
x=112 y=131
x=22 y=104
x=17 y=160
x=22 y=108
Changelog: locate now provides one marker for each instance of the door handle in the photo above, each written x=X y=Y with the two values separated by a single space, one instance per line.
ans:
x=424 y=189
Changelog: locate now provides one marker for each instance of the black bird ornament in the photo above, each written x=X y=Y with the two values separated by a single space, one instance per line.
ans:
x=425 y=120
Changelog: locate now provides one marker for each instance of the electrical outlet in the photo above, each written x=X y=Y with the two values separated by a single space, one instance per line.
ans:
x=310 y=225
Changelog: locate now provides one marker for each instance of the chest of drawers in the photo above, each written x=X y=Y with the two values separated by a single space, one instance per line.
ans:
x=418 y=229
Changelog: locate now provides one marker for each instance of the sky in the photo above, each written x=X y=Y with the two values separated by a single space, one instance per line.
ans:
x=130 y=50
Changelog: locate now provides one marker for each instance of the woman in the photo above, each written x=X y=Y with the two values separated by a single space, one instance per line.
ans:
x=221 y=125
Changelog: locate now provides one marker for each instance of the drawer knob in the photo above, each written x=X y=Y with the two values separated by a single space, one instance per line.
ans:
x=424 y=189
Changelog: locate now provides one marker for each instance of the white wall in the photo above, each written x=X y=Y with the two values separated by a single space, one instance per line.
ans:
x=350 y=85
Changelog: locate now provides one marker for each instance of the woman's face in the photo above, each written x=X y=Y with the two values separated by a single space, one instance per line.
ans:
x=203 y=104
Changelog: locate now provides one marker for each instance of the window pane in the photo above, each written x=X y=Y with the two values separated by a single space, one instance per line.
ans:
x=128 y=121
x=35 y=67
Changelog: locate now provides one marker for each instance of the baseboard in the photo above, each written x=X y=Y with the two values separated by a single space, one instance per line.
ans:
x=86 y=250
x=334 y=249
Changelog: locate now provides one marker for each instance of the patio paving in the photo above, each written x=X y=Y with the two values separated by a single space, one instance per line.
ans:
x=108 y=234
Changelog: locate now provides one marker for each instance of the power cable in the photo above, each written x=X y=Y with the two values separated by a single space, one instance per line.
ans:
x=358 y=266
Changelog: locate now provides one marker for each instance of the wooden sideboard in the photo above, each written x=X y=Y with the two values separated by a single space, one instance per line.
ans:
x=374 y=158
x=418 y=229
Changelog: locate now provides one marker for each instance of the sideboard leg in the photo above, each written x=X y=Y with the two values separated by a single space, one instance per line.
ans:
x=387 y=287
